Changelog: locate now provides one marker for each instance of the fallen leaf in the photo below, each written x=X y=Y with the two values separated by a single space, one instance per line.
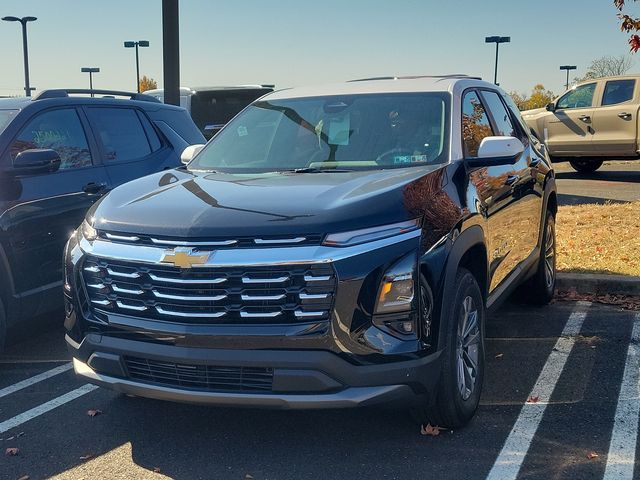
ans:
x=94 y=413
x=532 y=399
x=87 y=456
x=592 y=455
x=12 y=451
x=500 y=355
x=24 y=477
x=433 y=431
x=156 y=470
x=248 y=477
x=19 y=435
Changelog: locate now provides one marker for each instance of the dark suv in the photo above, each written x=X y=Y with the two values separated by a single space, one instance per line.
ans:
x=58 y=155
x=331 y=247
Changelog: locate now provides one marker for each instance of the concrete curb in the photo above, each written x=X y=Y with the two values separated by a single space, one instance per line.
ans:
x=598 y=283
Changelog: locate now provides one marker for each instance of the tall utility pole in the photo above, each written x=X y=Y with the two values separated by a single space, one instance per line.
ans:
x=171 y=51
x=567 y=68
x=139 y=43
x=90 y=71
x=25 y=50
x=497 y=40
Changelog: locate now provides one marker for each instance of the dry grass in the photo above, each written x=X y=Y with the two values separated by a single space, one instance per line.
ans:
x=599 y=238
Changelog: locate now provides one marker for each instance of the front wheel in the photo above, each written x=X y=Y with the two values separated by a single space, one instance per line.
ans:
x=585 y=165
x=458 y=392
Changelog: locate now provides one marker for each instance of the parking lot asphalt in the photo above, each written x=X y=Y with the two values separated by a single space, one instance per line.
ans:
x=561 y=391
x=615 y=181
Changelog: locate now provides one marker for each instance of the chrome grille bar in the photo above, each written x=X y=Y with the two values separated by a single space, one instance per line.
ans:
x=97 y=286
x=126 y=306
x=321 y=278
x=118 y=289
x=122 y=238
x=222 y=243
x=258 y=298
x=264 y=280
x=114 y=273
x=104 y=303
x=262 y=241
x=187 y=281
x=313 y=296
x=92 y=269
x=190 y=298
x=189 y=314
x=301 y=314
x=260 y=314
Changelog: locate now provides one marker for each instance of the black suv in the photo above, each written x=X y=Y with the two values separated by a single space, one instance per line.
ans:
x=58 y=155
x=330 y=247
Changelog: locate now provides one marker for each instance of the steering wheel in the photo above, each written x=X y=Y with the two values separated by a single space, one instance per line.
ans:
x=385 y=158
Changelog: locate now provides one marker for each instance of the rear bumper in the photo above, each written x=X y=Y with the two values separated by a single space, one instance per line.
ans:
x=301 y=379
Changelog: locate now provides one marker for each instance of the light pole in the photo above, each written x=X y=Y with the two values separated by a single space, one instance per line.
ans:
x=567 y=68
x=90 y=71
x=497 y=40
x=23 y=21
x=139 y=43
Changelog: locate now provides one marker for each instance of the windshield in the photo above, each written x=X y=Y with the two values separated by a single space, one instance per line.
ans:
x=372 y=131
x=5 y=118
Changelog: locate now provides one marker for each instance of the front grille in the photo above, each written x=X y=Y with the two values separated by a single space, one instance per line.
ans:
x=217 y=243
x=230 y=295
x=200 y=377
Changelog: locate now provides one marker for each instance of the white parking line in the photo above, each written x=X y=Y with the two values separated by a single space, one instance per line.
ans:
x=35 y=379
x=622 y=449
x=515 y=448
x=45 y=407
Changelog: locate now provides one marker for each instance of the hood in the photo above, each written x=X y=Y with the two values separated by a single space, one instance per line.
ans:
x=183 y=204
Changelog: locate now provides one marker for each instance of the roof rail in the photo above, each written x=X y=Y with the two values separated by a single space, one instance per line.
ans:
x=411 y=77
x=64 y=92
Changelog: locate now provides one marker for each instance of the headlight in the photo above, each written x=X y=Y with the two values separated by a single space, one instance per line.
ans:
x=354 y=237
x=397 y=287
x=88 y=232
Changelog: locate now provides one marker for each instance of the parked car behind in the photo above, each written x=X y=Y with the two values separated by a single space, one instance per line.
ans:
x=332 y=246
x=59 y=154
x=212 y=107
x=595 y=120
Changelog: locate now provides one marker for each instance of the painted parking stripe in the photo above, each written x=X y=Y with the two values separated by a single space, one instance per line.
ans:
x=622 y=449
x=45 y=407
x=515 y=448
x=35 y=379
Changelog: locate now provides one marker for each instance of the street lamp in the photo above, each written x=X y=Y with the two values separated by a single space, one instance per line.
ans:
x=567 y=68
x=139 y=43
x=90 y=71
x=23 y=21
x=497 y=40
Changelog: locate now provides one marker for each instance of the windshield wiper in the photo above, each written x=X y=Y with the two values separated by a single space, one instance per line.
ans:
x=315 y=170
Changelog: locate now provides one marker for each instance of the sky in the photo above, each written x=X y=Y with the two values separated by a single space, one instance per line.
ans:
x=300 y=42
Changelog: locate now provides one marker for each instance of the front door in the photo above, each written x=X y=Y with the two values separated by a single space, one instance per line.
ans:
x=44 y=209
x=615 y=121
x=569 y=130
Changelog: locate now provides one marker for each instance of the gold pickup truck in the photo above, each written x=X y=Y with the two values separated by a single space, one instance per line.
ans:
x=592 y=122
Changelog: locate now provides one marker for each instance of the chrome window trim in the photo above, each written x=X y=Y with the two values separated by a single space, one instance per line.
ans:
x=295 y=255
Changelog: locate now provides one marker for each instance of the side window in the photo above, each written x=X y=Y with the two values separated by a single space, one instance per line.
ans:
x=121 y=133
x=500 y=115
x=515 y=113
x=618 y=91
x=475 y=124
x=59 y=130
x=152 y=135
x=579 y=97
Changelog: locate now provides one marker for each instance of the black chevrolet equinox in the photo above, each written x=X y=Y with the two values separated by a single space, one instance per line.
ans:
x=331 y=247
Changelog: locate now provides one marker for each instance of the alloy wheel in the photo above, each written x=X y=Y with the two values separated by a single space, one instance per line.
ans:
x=549 y=255
x=468 y=348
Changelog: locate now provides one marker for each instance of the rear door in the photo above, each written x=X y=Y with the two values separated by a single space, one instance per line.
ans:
x=615 y=121
x=44 y=209
x=569 y=130
x=129 y=144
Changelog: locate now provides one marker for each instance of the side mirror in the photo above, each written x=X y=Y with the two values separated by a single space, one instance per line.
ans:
x=551 y=107
x=190 y=152
x=35 y=161
x=497 y=151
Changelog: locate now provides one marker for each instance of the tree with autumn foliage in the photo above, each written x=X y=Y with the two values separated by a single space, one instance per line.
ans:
x=539 y=98
x=629 y=24
x=147 y=83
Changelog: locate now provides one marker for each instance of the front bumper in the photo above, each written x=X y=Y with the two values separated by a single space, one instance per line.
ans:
x=301 y=380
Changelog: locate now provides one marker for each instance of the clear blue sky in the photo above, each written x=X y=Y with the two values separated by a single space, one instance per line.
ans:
x=297 y=42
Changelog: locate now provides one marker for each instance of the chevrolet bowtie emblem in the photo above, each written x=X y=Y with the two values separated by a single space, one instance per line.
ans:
x=185 y=257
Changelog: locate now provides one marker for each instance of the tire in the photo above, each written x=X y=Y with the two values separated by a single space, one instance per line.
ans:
x=539 y=289
x=457 y=396
x=585 y=165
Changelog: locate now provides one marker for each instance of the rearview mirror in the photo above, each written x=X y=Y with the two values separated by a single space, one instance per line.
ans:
x=551 y=107
x=190 y=152
x=497 y=151
x=35 y=161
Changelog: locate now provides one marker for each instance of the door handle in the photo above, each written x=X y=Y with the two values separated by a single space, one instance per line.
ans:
x=585 y=118
x=94 y=188
x=511 y=179
x=624 y=115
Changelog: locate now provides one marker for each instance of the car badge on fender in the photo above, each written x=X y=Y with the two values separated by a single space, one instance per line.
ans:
x=185 y=257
